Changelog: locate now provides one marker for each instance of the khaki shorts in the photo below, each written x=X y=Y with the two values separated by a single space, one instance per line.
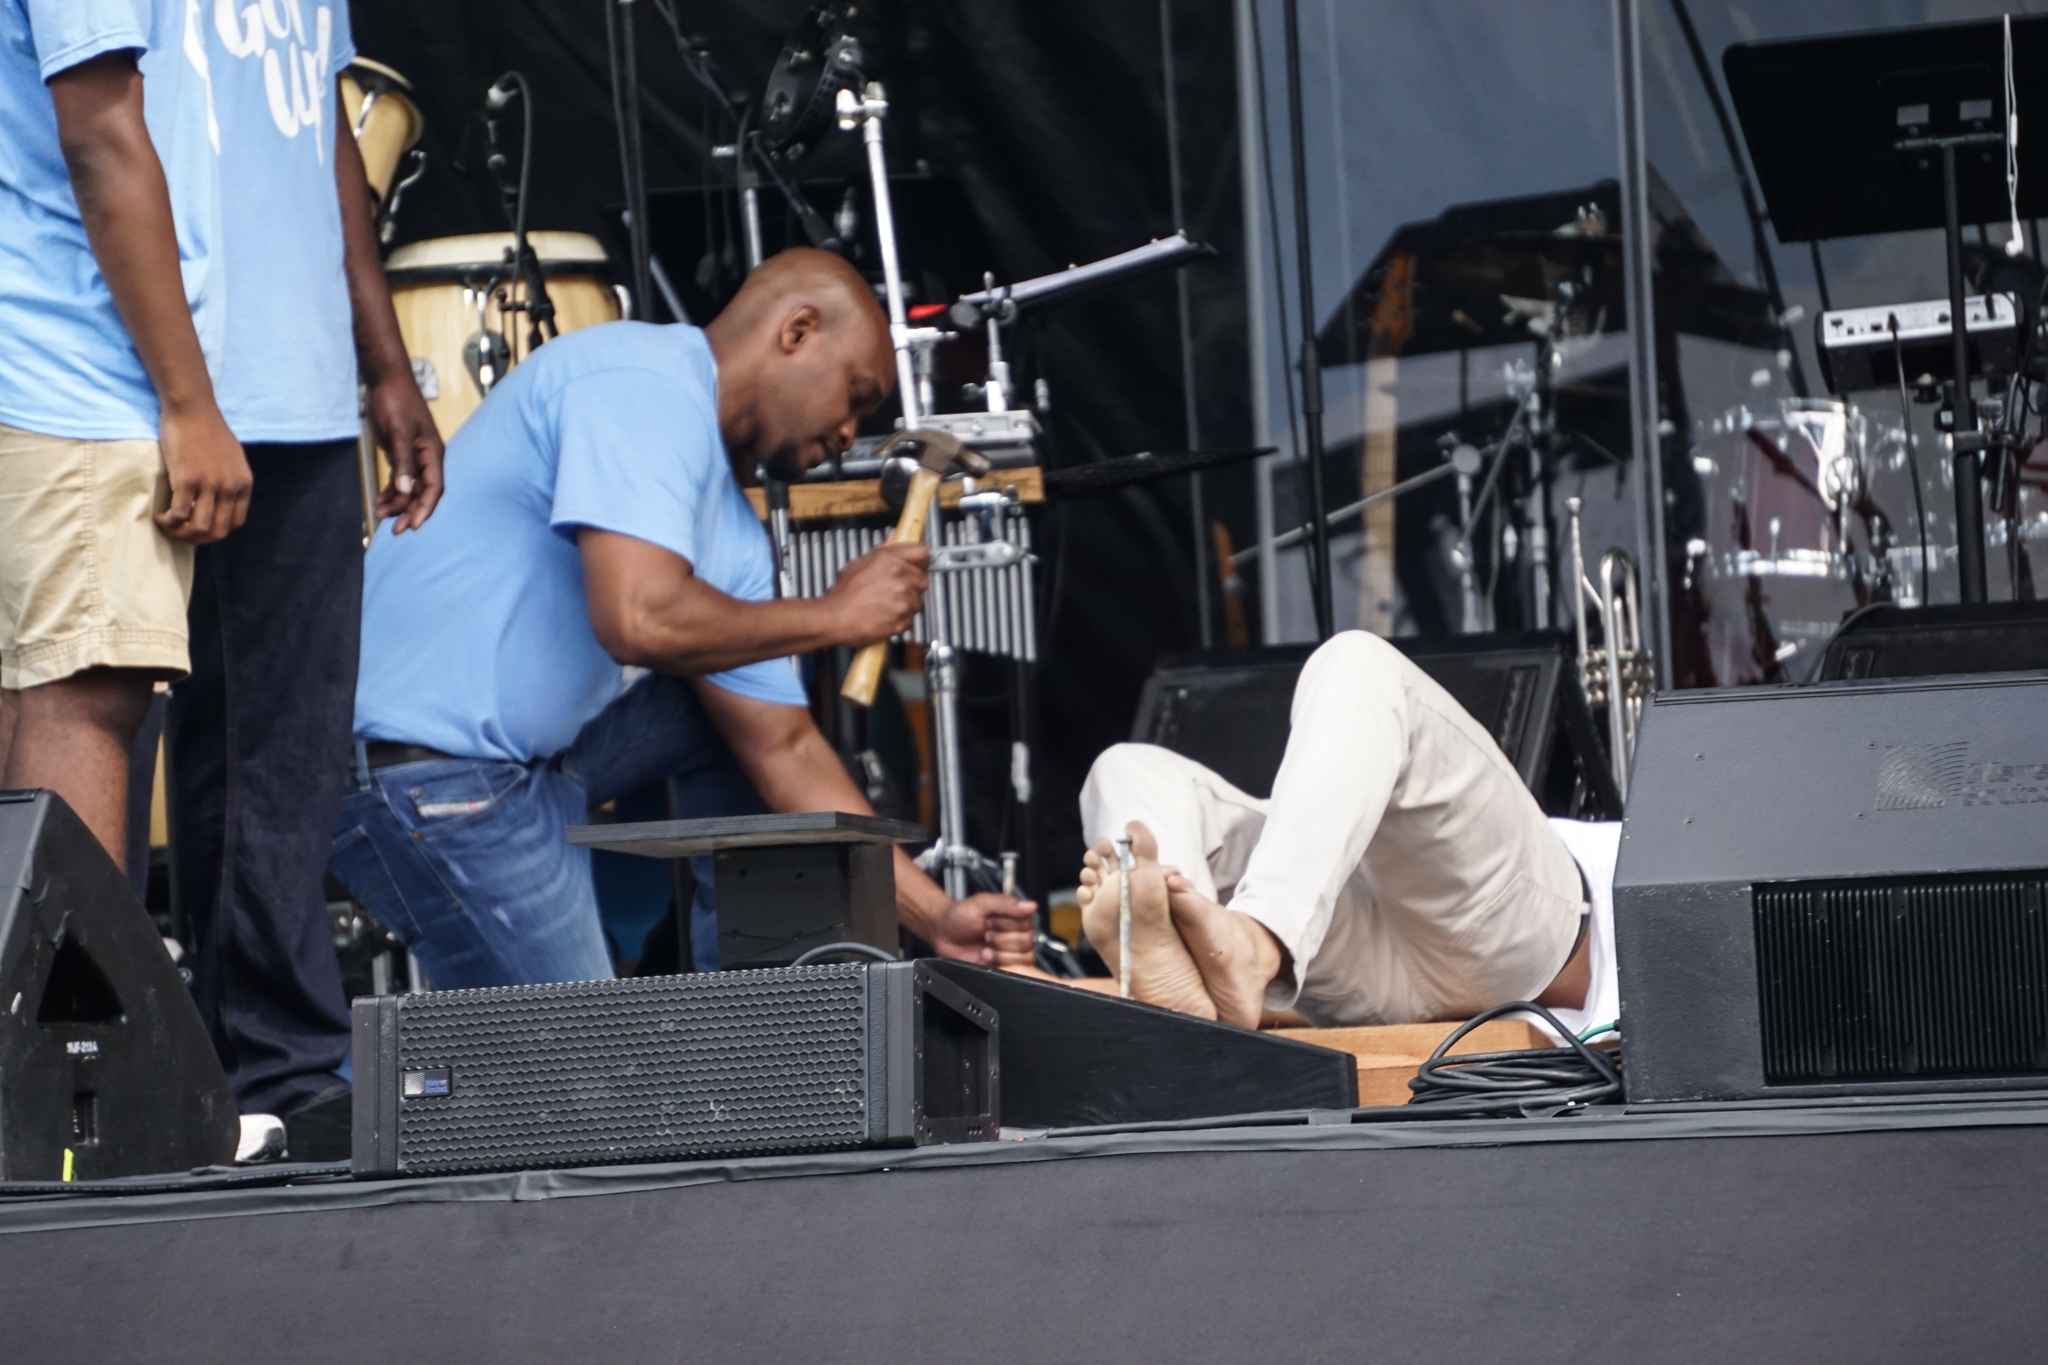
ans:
x=86 y=578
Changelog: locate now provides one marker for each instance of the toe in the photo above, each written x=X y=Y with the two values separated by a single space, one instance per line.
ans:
x=1143 y=845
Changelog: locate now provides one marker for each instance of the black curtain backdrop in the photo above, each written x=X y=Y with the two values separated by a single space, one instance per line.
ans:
x=1049 y=118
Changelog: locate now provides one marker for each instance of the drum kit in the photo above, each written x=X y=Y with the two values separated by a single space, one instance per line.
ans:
x=1795 y=536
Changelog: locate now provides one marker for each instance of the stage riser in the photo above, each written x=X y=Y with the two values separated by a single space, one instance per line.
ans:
x=1872 y=1247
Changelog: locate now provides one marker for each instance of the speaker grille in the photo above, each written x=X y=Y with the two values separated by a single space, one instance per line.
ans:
x=656 y=1068
x=1899 y=978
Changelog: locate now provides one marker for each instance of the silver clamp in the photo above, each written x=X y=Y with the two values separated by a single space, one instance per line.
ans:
x=985 y=554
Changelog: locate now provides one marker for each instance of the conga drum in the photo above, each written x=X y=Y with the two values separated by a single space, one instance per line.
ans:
x=449 y=294
x=377 y=102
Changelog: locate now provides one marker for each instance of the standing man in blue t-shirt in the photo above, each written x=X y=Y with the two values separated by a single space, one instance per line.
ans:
x=256 y=733
x=114 y=460
x=600 y=526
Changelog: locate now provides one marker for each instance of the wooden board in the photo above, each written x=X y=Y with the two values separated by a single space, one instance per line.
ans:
x=863 y=497
x=1389 y=1055
x=688 y=838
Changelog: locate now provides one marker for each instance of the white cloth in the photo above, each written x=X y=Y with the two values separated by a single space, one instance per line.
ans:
x=1594 y=845
x=1400 y=861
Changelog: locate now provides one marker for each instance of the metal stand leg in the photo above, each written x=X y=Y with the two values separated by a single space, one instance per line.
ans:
x=942 y=672
x=941 y=665
x=1967 y=442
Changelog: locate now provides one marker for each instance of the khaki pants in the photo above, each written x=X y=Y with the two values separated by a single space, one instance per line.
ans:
x=1400 y=861
x=86 y=578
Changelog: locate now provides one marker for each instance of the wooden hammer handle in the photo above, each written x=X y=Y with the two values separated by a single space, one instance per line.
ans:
x=865 y=675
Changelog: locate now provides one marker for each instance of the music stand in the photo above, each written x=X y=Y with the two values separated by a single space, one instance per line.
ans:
x=1890 y=131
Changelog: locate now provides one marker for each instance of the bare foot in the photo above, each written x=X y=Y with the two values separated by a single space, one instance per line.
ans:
x=1096 y=896
x=1237 y=956
x=1162 y=972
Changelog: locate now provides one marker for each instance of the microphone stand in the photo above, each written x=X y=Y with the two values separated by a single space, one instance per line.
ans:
x=538 y=307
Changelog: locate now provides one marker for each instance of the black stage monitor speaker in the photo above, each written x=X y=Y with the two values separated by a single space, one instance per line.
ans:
x=1075 y=1058
x=671 y=1068
x=1891 y=641
x=102 y=1055
x=1228 y=709
x=1837 y=890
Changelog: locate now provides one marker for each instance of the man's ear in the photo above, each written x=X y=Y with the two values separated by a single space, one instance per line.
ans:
x=801 y=327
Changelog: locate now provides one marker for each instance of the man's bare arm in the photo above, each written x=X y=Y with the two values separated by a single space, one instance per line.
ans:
x=650 y=609
x=398 y=415
x=792 y=768
x=125 y=204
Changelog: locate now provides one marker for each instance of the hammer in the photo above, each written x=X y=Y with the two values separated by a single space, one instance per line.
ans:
x=940 y=452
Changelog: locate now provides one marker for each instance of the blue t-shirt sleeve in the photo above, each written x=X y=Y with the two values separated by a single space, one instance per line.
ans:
x=630 y=458
x=773 y=680
x=67 y=32
x=634 y=456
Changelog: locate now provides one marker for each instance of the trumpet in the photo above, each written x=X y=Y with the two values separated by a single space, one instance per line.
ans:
x=1617 y=676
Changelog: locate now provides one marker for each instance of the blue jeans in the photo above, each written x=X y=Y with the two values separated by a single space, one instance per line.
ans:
x=466 y=860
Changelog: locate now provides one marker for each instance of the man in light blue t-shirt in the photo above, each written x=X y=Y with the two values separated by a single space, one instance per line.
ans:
x=114 y=458
x=597 y=523
x=253 y=734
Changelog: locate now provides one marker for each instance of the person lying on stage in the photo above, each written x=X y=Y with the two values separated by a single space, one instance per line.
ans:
x=1401 y=872
x=594 y=523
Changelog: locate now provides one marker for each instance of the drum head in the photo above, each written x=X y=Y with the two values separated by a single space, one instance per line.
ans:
x=371 y=75
x=453 y=259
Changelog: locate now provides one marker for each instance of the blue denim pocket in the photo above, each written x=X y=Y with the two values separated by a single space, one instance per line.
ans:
x=435 y=798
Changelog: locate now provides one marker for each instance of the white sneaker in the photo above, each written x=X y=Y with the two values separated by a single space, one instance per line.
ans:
x=262 y=1139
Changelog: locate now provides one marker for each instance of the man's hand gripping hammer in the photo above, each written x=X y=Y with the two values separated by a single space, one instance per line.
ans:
x=940 y=451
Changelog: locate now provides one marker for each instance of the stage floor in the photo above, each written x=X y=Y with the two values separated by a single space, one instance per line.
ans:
x=1894 y=1233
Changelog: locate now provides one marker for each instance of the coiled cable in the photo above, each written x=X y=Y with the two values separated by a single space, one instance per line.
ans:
x=1525 y=1084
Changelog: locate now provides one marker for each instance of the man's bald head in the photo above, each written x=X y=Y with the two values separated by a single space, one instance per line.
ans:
x=807 y=275
x=803 y=354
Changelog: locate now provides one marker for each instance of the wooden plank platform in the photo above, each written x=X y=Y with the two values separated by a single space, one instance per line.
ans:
x=863 y=497
x=1389 y=1055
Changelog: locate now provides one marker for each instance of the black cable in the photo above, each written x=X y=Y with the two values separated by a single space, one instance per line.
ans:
x=208 y=1178
x=1515 y=1084
x=823 y=951
x=1912 y=455
x=696 y=60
